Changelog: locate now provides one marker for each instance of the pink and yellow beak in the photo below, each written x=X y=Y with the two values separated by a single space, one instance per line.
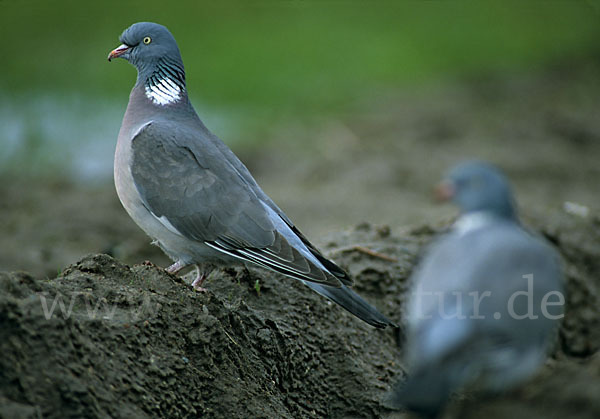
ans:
x=444 y=191
x=117 y=52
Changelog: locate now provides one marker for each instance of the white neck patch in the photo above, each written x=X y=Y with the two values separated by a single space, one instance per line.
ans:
x=473 y=221
x=164 y=92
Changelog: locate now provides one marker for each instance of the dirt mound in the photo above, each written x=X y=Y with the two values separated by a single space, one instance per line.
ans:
x=106 y=339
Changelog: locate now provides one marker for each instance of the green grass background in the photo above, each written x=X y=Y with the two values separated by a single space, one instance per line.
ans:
x=253 y=64
x=299 y=56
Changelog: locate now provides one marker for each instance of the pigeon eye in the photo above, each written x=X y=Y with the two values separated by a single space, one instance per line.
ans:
x=147 y=40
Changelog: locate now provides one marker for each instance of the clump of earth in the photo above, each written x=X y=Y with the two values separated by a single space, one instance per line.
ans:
x=108 y=339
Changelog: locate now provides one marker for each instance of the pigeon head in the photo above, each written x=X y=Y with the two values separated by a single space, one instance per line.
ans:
x=151 y=48
x=478 y=187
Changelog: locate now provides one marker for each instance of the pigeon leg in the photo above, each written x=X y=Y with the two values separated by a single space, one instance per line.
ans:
x=200 y=278
x=176 y=267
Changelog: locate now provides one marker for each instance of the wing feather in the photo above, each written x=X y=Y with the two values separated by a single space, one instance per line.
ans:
x=200 y=193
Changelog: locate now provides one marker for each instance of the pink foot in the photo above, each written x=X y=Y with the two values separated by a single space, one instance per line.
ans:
x=176 y=267
x=200 y=278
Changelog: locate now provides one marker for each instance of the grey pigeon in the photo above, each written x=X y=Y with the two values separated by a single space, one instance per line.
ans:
x=485 y=302
x=188 y=191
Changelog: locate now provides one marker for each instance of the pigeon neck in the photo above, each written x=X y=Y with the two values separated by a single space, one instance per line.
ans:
x=165 y=84
x=474 y=220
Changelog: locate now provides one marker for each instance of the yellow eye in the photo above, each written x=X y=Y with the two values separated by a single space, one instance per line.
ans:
x=147 y=40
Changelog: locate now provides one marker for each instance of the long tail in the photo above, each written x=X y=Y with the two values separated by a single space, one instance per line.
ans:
x=354 y=303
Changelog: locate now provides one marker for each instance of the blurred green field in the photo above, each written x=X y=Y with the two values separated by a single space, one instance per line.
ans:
x=298 y=56
x=257 y=64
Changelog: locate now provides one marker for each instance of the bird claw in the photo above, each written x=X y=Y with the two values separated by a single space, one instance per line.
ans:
x=200 y=277
x=197 y=283
x=176 y=267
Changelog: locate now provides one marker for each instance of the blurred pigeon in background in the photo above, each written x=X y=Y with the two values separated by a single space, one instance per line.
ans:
x=485 y=302
x=190 y=193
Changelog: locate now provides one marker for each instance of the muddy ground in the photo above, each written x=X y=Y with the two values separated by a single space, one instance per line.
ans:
x=131 y=341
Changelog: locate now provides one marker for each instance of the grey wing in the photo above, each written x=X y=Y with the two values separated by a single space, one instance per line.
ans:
x=186 y=182
x=245 y=174
x=488 y=267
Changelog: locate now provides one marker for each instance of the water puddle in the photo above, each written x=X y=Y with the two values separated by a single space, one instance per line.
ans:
x=47 y=133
